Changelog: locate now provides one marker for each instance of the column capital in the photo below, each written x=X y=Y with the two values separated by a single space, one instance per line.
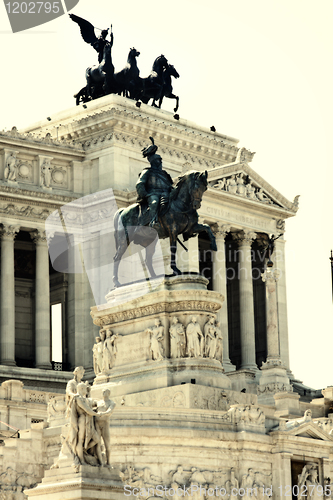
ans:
x=244 y=237
x=38 y=236
x=220 y=230
x=8 y=231
x=270 y=276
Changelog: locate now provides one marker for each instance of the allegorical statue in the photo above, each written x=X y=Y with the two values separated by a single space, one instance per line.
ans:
x=168 y=210
x=154 y=185
x=88 y=424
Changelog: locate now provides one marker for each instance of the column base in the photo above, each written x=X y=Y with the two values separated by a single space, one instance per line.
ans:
x=250 y=367
x=8 y=362
x=228 y=366
x=44 y=366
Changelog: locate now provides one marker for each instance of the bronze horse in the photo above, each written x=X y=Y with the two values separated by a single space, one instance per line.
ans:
x=181 y=217
x=151 y=87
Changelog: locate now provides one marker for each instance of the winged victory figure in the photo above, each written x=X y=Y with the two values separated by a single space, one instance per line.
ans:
x=88 y=34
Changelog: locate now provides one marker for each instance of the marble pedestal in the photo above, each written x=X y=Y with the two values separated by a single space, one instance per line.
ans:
x=274 y=379
x=134 y=368
x=88 y=483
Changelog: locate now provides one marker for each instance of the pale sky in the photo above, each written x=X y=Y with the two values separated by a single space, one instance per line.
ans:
x=259 y=71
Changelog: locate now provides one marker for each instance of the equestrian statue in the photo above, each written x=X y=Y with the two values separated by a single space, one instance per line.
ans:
x=163 y=210
x=102 y=79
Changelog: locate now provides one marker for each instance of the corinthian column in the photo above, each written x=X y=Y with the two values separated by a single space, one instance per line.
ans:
x=8 y=234
x=43 y=334
x=247 y=331
x=219 y=283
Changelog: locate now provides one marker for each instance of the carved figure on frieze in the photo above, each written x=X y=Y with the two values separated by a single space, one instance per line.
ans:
x=251 y=191
x=232 y=484
x=46 y=171
x=261 y=196
x=219 y=342
x=109 y=350
x=11 y=168
x=178 y=478
x=221 y=184
x=248 y=483
x=177 y=339
x=105 y=409
x=211 y=342
x=156 y=339
x=195 y=339
x=232 y=185
x=98 y=356
x=210 y=324
x=241 y=188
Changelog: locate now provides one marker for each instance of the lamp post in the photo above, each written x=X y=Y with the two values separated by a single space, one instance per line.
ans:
x=331 y=259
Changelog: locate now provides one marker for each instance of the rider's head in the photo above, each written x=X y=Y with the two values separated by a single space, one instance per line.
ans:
x=104 y=33
x=155 y=160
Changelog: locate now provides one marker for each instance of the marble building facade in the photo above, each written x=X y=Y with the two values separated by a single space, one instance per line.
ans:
x=247 y=410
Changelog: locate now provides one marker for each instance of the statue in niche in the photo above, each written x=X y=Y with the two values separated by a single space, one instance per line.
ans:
x=156 y=338
x=219 y=342
x=11 y=168
x=207 y=335
x=195 y=339
x=105 y=408
x=308 y=483
x=177 y=339
x=46 y=171
x=98 y=356
x=109 y=350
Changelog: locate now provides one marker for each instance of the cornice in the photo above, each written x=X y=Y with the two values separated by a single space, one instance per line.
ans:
x=16 y=194
x=14 y=137
x=133 y=126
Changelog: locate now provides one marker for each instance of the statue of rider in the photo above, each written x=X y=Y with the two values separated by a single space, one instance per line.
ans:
x=154 y=184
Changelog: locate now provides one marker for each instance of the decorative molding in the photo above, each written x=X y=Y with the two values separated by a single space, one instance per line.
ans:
x=191 y=305
x=36 y=194
x=25 y=211
x=47 y=139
